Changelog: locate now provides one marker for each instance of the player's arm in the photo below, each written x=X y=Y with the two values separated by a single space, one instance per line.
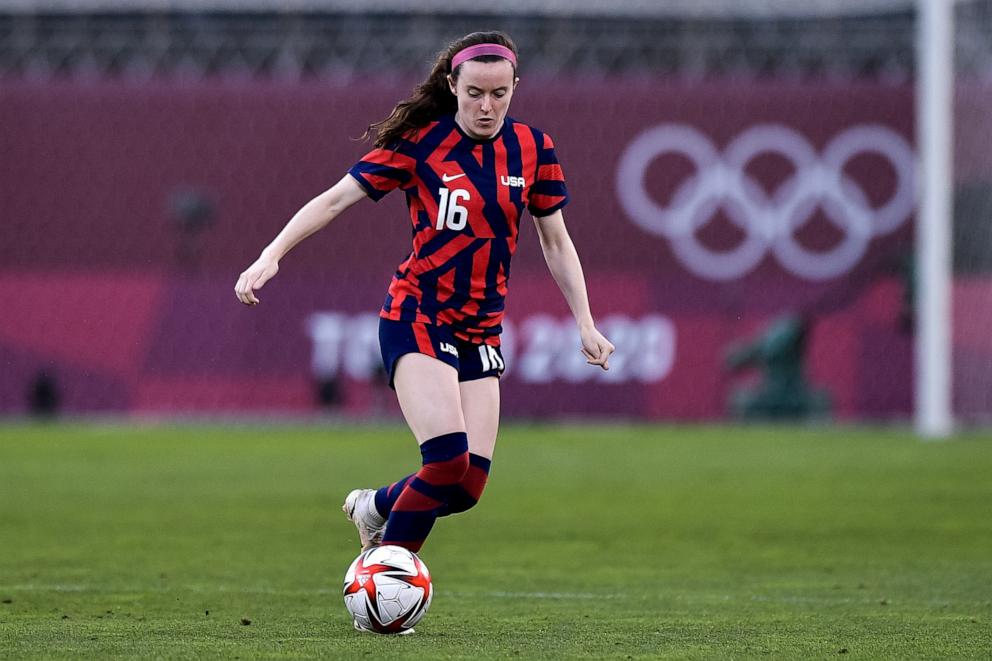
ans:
x=314 y=215
x=563 y=262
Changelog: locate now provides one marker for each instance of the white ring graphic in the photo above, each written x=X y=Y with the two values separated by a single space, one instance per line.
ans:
x=768 y=221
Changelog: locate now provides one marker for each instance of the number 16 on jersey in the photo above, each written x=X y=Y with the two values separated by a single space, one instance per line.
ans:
x=449 y=212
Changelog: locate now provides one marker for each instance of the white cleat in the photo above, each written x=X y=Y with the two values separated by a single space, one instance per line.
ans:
x=359 y=507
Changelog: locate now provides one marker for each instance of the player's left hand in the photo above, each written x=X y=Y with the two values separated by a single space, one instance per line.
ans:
x=595 y=347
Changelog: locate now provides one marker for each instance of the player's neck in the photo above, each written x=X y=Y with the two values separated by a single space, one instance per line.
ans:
x=474 y=136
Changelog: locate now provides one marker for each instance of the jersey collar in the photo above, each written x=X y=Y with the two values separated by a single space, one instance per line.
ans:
x=507 y=120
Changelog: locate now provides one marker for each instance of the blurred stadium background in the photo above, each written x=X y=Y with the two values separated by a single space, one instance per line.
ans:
x=152 y=148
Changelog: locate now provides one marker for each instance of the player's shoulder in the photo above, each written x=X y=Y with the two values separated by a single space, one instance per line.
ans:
x=415 y=136
x=542 y=140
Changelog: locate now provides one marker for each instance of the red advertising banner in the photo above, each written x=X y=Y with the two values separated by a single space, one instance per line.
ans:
x=702 y=214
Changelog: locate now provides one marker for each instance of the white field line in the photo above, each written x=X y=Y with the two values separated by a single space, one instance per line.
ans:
x=562 y=596
x=226 y=589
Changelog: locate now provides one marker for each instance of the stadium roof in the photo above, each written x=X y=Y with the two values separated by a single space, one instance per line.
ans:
x=617 y=8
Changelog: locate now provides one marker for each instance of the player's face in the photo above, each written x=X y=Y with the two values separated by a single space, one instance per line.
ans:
x=483 y=90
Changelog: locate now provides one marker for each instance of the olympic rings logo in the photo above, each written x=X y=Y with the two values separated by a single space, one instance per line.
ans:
x=769 y=221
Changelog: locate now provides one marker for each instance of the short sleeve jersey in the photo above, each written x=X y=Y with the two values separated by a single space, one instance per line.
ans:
x=465 y=197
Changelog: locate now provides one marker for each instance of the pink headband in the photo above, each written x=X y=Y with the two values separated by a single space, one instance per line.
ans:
x=483 y=49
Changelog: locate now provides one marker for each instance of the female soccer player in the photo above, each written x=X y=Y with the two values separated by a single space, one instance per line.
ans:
x=468 y=172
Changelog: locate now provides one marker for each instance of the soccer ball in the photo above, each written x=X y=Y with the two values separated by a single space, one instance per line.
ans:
x=387 y=590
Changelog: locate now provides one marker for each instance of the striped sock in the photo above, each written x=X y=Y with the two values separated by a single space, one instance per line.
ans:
x=466 y=494
x=425 y=496
x=461 y=497
x=386 y=497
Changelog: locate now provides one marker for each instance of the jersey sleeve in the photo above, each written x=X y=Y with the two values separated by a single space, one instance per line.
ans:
x=381 y=170
x=548 y=194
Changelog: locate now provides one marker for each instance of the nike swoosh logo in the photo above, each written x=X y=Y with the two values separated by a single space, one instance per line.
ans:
x=446 y=178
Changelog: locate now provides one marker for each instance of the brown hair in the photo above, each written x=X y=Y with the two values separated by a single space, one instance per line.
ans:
x=432 y=98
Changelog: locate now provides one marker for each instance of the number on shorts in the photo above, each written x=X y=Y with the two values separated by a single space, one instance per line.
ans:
x=490 y=358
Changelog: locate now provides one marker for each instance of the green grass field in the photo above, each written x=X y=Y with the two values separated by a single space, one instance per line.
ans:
x=591 y=542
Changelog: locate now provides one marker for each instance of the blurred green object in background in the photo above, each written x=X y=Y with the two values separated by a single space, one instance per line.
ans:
x=784 y=392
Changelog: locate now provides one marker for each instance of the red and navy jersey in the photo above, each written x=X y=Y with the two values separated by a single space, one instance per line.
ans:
x=465 y=197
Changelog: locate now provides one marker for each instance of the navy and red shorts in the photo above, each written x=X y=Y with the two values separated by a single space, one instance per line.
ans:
x=472 y=361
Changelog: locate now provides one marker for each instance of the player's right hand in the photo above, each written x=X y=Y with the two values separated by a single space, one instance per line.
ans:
x=255 y=277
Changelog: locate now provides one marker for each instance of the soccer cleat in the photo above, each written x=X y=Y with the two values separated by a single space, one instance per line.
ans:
x=359 y=506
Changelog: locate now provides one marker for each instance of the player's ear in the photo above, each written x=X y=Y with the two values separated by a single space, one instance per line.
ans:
x=452 y=85
x=516 y=81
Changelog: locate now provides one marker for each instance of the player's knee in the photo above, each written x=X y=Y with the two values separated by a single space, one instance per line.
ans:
x=459 y=468
x=466 y=497
x=450 y=471
x=461 y=502
x=468 y=492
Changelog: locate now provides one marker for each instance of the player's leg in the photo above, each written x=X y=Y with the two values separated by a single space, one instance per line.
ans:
x=430 y=399
x=429 y=396
x=424 y=376
x=480 y=408
x=398 y=340
x=479 y=369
